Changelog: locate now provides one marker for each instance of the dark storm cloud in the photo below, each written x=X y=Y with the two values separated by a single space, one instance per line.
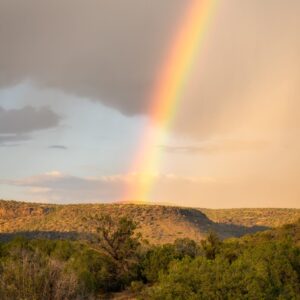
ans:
x=107 y=50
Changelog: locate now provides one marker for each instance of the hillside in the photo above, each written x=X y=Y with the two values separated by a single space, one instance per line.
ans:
x=158 y=224
x=289 y=231
x=269 y=217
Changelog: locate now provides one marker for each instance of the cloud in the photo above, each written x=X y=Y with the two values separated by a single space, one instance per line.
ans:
x=16 y=125
x=59 y=147
x=245 y=77
x=196 y=191
x=216 y=147
x=12 y=140
x=26 y=120
x=105 y=50
x=55 y=186
x=112 y=51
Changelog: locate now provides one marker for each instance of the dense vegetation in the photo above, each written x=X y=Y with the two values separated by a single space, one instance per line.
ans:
x=265 y=271
x=261 y=266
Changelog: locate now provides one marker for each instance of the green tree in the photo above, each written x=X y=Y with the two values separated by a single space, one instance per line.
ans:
x=118 y=240
x=268 y=270
x=211 y=245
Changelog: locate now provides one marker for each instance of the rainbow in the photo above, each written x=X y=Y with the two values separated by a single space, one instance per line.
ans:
x=167 y=94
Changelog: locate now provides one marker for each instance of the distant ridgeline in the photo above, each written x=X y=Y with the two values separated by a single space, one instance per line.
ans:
x=158 y=224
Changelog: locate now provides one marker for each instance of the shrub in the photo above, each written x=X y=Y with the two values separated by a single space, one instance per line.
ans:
x=266 y=271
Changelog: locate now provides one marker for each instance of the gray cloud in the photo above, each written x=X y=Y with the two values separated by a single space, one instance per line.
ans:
x=107 y=50
x=26 y=120
x=59 y=147
x=223 y=146
x=16 y=125
x=12 y=140
x=57 y=187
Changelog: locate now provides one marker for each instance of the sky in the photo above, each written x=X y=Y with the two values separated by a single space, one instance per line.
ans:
x=75 y=84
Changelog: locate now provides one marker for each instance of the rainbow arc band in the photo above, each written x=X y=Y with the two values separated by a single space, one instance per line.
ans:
x=165 y=100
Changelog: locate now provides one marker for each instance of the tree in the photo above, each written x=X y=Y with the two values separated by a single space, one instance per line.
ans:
x=157 y=260
x=118 y=240
x=211 y=245
x=186 y=247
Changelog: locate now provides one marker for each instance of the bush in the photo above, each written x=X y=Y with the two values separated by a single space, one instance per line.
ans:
x=28 y=274
x=266 y=271
x=157 y=259
x=56 y=270
x=97 y=272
